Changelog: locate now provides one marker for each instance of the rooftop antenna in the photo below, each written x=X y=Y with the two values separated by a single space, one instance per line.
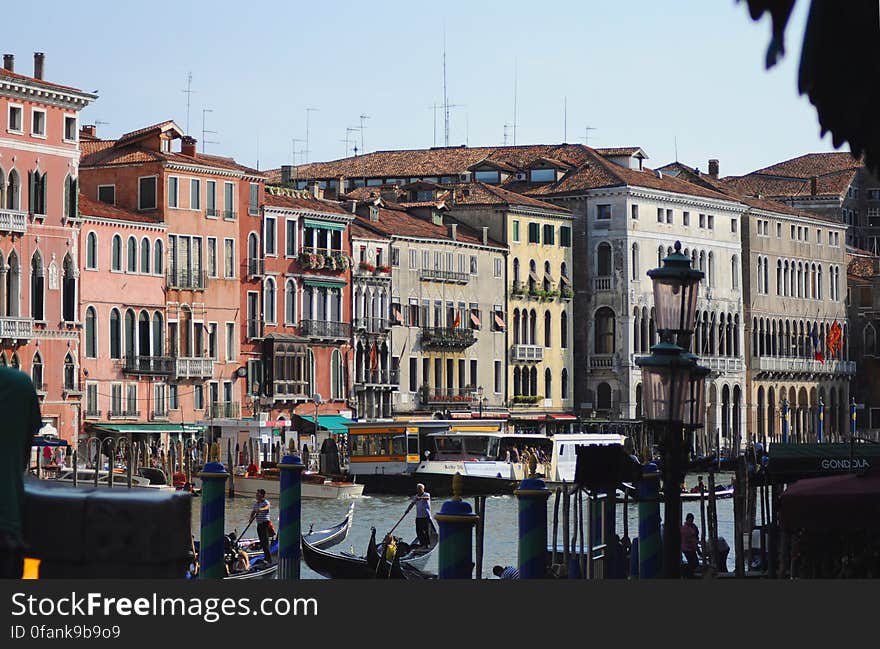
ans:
x=362 y=118
x=204 y=130
x=675 y=144
x=506 y=126
x=307 y=151
x=293 y=142
x=587 y=130
x=189 y=91
x=445 y=98
x=347 y=140
x=434 y=107
x=467 y=128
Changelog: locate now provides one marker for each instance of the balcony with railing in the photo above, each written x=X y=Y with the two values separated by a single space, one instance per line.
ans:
x=256 y=267
x=124 y=413
x=13 y=221
x=162 y=365
x=447 y=396
x=601 y=361
x=366 y=269
x=230 y=215
x=445 y=276
x=193 y=368
x=601 y=284
x=187 y=280
x=372 y=325
x=328 y=259
x=325 y=329
x=16 y=328
x=290 y=390
x=722 y=364
x=224 y=410
x=447 y=338
x=377 y=378
x=788 y=365
x=534 y=353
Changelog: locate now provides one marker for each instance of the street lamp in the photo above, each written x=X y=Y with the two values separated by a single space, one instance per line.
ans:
x=673 y=387
x=318 y=400
x=480 y=397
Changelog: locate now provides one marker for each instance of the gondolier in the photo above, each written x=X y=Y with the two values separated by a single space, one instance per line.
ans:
x=260 y=513
x=422 y=502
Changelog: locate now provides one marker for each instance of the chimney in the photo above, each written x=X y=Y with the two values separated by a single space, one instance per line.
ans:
x=39 y=60
x=485 y=235
x=9 y=62
x=814 y=183
x=188 y=146
x=88 y=130
x=286 y=174
x=713 y=168
x=315 y=189
x=453 y=231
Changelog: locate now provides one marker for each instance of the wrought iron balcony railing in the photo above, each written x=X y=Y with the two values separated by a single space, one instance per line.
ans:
x=447 y=338
x=325 y=329
x=148 y=365
x=187 y=280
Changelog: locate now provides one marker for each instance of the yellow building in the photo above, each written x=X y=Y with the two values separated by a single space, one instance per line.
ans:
x=538 y=297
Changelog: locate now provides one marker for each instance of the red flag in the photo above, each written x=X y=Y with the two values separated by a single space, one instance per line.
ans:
x=374 y=360
x=834 y=335
x=457 y=320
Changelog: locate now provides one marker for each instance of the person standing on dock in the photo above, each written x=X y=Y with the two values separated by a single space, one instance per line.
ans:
x=22 y=420
x=690 y=539
x=422 y=503
x=260 y=512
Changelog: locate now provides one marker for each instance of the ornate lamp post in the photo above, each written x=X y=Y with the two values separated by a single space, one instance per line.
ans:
x=480 y=397
x=673 y=387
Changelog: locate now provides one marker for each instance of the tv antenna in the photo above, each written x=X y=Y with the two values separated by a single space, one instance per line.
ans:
x=306 y=151
x=348 y=131
x=587 y=130
x=205 y=131
x=362 y=118
x=189 y=91
x=293 y=142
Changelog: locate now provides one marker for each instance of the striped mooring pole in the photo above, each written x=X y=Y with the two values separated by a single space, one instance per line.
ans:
x=211 y=564
x=650 y=558
x=456 y=521
x=821 y=427
x=289 y=519
x=532 y=496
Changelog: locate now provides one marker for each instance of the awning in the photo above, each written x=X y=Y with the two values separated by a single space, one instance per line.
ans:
x=323 y=281
x=790 y=462
x=565 y=417
x=475 y=320
x=125 y=429
x=499 y=321
x=311 y=223
x=564 y=280
x=333 y=423
x=533 y=276
x=832 y=504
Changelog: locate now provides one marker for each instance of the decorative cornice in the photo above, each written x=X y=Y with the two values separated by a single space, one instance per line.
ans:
x=55 y=96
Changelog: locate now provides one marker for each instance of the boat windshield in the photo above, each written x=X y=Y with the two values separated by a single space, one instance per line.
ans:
x=377 y=445
x=476 y=446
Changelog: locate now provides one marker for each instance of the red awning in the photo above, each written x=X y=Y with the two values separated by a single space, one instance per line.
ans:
x=398 y=315
x=499 y=321
x=475 y=320
x=563 y=417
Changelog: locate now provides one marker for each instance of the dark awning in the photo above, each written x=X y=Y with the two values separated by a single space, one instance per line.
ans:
x=790 y=462
x=832 y=504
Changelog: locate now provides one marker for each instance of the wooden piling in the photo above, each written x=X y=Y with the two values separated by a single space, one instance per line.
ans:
x=75 y=468
x=712 y=516
x=703 y=521
x=739 y=514
x=565 y=529
x=480 y=510
x=554 y=557
x=231 y=468
x=581 y=562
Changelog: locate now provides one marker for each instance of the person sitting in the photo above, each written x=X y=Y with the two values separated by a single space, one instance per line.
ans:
x=509 y=572
x=252 y=470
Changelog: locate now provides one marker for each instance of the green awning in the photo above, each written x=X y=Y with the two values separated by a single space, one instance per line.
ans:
x=125 y=429
x=789 y=462
x=311 y=223
x=333 y=423
x=332 y=283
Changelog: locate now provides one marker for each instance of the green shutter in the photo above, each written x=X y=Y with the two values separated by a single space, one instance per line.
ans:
x=31 y=191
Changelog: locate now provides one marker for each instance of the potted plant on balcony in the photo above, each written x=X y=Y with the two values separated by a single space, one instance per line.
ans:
x=424 y=393
x=517 y=289
x=367 y=266
x=383 y=269
x=342 y=261
x=552 y=294
x=567 y=293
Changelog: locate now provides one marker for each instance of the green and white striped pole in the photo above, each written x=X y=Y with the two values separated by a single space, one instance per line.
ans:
x=532 y=496
x=211 y=564
x=650 y=561
x=456 y=521
x=289 y=519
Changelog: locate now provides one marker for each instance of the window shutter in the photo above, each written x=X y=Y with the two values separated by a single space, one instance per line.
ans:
x=31 y=192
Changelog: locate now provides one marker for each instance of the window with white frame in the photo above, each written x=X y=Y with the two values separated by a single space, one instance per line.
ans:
x=195 y=194
x=269 y=234
x=229 y=201
x=686 y=218
x=70 y=128
x=710 y=220
x=229 y=258
x=173 y=401
x=211 y=198
x=92 y=251
x=669 y=218
x=147 y=193
x=198 y=397
x=634 y=211
x=211 y=260
x=498 y=267
x=38 y=122
x=173 y=190
x=413 y=259
x=230 y=341
x=254 y=200
x=92 y=400
x=290 y=237
x=14 y=121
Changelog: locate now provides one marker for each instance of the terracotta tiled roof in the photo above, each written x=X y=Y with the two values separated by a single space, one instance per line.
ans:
x=393 y=222
x=862 y=264
x=89 y=207
x=15 y=76
x=92 y=146
x=812 y=164
x=360 y=232
x=478 y=193
x=154 y=128
x=833 y=184
x=372 y=193
x=302 y=200
x=619 y=151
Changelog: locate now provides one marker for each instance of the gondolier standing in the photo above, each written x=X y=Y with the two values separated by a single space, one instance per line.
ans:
x=422 y=502
x=260 y=512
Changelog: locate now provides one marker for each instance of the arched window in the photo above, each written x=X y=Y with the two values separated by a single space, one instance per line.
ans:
x=870 y=340
x=158 y=334
x=604 y=331
x=37 y=372
x=710 y=279
x=116 y=253
x=515 y=270
x=158 y=257
x=290 y=302
x=69 y=373
x=603 y=260
x=548 y=277
x=563 y=330
x=71 y=195
x=37 y=286
x=145 y=256
x=533 y=326
x=130 y=334
x=516 y=338
x=91 y=333
x=269 y=300
x=533 y=382
x=564 y=384
x=533 y=276
x=635 y=261
x=734 y=272
x=253 y=249
x=548 y=384
x=310 y=371
x=92 y=251
x=337 y=390
x=516 y=382
x=132 y=255
x=547 y=328
x=13 y=191
x=115 y=335
x=603 y=397
x=778 y=277
x=13 y=283
x=819 y=282
x=68 y=292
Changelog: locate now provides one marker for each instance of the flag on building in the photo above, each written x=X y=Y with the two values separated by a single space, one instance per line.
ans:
x=834 y=335
x=457 y=320
x=817 y=351
x=374 y=360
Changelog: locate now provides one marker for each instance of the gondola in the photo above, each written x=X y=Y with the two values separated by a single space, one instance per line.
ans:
x=259 y=569
x=721 y=491
x=408 y=563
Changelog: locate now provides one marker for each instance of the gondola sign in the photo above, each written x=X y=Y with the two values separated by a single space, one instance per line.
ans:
x=790 y=462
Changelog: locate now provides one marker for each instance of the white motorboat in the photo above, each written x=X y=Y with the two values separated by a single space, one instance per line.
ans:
x=86 y=478
x=314 y=485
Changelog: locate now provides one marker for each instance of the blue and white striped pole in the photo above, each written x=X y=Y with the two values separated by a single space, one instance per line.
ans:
x=821 y=427
x=785 y=421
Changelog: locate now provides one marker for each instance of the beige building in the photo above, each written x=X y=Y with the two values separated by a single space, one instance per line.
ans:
x=539 y=296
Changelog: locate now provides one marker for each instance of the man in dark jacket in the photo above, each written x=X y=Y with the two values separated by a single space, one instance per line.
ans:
x=21 y=421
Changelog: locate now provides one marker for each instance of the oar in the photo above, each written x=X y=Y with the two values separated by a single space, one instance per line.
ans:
x=401 y=519
x=241 y=536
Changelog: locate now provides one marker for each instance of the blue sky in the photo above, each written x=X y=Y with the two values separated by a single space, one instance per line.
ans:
x=643 y=73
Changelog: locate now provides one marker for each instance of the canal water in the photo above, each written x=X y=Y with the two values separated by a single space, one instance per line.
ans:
x=500 y=538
